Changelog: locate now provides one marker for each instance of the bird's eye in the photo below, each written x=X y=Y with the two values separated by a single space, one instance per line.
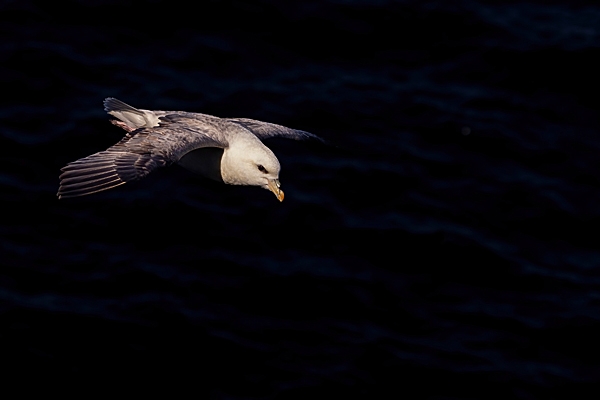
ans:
x=261 y=168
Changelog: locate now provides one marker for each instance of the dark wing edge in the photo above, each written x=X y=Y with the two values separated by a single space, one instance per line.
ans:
x=265 y=130
x=106 y=169
x=136 y=155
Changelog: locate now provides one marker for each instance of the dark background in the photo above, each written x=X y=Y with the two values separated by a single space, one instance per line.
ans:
x=445 y=246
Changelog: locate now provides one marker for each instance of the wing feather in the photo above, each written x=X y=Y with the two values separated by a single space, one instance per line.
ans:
x=134 y=157
x=265 y=130
x=139 y=153
x=107 y=169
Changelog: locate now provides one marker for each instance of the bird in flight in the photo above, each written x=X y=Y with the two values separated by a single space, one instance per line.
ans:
x=229 y=150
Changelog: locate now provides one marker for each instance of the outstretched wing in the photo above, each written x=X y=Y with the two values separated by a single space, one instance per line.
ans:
x=265 y=130
x=135 y=156
x=131 y=159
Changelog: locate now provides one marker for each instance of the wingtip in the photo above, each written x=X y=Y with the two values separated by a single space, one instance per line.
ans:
x=312 y=136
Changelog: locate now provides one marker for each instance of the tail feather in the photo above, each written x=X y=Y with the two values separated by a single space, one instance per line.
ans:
x=132 y=117
x=112 y=104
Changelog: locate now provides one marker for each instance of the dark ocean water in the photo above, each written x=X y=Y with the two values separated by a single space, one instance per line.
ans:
x=445 y=246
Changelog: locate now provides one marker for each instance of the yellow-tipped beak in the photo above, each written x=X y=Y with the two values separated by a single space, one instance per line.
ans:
x=274 y=187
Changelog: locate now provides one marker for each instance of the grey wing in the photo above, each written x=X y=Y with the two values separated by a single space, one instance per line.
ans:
x=195 y=131
x=134 y=157
x=121 y=163
x=265 y=130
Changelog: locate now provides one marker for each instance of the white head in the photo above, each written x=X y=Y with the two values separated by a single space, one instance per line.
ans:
x=251 y=163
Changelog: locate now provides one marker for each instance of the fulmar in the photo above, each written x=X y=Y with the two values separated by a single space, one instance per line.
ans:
x=229 y=150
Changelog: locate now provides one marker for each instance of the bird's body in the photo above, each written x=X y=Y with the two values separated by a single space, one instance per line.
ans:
x=225 y=149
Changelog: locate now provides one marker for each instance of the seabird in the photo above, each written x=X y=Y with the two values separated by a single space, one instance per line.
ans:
x=229 y=150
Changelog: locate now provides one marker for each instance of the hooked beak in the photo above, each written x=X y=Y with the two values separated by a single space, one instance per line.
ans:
x=274 y=187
